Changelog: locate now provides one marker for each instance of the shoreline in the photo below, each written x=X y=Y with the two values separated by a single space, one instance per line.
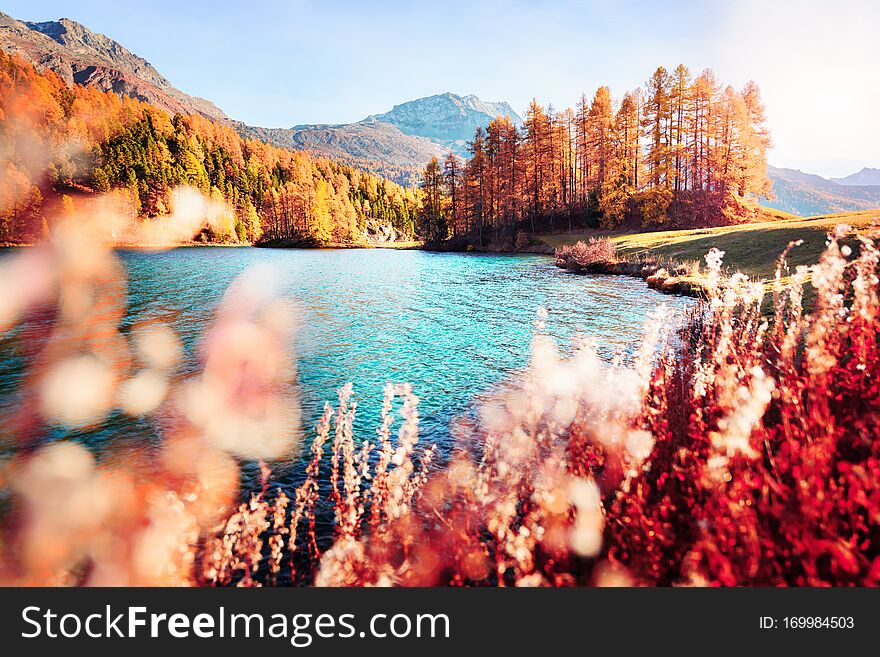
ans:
x=670 y=279
x=307 y=245
x=657 y=277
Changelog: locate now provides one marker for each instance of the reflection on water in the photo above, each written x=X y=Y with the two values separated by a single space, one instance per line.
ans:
x=450 y=324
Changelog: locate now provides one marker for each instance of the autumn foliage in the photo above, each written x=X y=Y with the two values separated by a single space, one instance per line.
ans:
x=72 y=141
x=683 y=151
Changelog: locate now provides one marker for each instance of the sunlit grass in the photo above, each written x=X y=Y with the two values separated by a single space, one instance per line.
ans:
x=750 y=248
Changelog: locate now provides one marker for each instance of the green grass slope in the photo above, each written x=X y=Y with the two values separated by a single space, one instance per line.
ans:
x=751 y=248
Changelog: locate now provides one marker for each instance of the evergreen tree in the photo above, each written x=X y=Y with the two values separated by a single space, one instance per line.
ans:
x=433 y=220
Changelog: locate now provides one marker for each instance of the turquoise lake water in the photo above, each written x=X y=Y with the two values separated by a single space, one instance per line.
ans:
x=452 y=325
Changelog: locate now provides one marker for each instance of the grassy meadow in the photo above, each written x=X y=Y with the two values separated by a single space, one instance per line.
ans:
x=751 y=248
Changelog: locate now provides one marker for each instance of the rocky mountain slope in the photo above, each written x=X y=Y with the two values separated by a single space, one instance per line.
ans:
x=446 y=119
x=397 y=143
x=81 y=56
x=807 y=194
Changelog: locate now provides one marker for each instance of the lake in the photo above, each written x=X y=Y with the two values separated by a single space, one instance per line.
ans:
x=452 y=325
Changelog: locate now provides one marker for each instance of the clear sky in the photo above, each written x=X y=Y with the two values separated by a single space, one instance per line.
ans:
x=280 y=63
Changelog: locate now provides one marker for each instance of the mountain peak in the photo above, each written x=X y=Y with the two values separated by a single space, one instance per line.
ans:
x=81 y=56
x=77 y=37
x=445 y=118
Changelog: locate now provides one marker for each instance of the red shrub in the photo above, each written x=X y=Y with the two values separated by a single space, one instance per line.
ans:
x=583 y=256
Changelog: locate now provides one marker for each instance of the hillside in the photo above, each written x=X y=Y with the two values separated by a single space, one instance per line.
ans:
x=144 y=158
x=750 y=248
x=807 y=194
x=83 y=57
x=377 y=147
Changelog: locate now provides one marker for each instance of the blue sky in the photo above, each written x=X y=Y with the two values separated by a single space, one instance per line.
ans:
x=282 y=63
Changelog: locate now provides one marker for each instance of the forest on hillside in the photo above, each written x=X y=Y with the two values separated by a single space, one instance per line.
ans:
x=685 y=151
x=61 y=144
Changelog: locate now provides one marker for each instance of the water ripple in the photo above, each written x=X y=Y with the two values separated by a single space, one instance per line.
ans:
x=452 y=325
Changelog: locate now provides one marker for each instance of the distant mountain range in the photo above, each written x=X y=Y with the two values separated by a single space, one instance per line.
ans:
x=370 y=145
x=866 y=176
x=395 y=144
x=807 y=194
